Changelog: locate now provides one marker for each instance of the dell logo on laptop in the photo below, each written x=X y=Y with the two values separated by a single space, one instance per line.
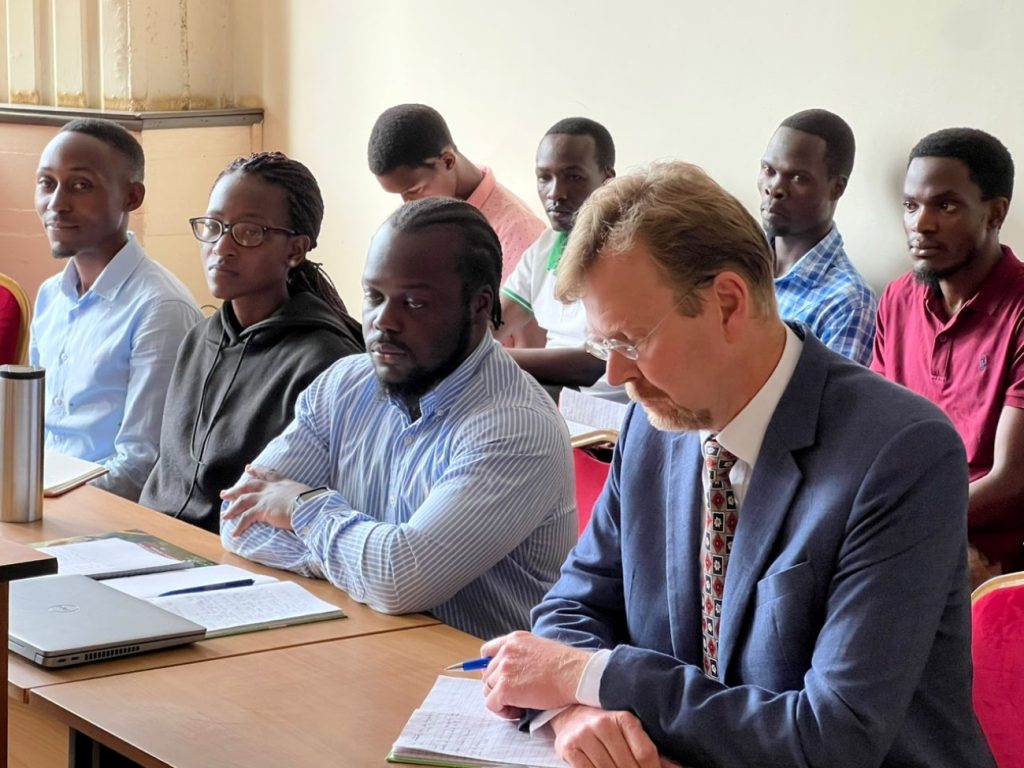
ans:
x=63 y=608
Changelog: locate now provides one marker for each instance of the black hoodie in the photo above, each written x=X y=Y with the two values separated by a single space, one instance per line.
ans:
x=231 y=393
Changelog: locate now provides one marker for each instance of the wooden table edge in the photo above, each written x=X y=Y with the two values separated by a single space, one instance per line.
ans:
x=26 y=697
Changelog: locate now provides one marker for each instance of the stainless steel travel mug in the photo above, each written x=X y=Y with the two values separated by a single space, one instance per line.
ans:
x=22 y=391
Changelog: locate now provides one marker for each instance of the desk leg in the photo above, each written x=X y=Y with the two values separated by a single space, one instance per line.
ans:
x=84 y=752
x=4 y=595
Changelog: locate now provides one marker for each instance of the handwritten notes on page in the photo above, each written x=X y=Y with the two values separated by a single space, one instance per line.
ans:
x=243 y=609
x=452 y=727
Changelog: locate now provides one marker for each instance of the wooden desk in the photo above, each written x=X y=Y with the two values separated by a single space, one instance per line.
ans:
x=16 y=562
x=89 y=510
x=333 y=703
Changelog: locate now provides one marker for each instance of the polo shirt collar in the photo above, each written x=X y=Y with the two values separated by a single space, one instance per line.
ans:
x=990 y=295
x=993 y=290
x=557 y=249
x=484 y=189
x=111 y=279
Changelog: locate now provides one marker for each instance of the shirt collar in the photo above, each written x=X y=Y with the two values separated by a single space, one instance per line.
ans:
x=484 y=189
x=452 y=387
x=557 y=249
x=113 y=276
x=997 y=284
x=812 y=266
x=989 y=296
x=744 y=434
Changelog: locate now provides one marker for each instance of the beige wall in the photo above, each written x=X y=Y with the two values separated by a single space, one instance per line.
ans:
x=705 y=82
x=24 y=252
x=181 y=164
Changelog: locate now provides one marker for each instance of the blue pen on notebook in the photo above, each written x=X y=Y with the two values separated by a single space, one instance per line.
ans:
x=207 y=587
x=469 y=666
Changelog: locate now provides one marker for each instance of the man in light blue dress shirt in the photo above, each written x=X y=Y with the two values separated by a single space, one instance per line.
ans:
x=431 y=474
x=107 y=328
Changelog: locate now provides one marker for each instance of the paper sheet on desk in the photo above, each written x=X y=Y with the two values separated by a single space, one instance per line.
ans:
x=452 y=727
x=102 y=558
x=586 y=413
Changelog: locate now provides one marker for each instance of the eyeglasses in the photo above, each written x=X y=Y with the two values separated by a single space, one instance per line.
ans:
x=602 y=348
x=245 y=233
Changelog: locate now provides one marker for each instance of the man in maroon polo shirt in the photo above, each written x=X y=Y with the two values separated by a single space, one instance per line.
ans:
x=952 y=329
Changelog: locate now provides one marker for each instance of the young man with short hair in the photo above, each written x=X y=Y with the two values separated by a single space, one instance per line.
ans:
x=430 y=474
x=412 y=154
x=952 y=329
x=804 y=172
x=107 y=328
x=575 y=157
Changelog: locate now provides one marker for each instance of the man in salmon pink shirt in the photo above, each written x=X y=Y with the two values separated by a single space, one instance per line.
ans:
x=412 y=154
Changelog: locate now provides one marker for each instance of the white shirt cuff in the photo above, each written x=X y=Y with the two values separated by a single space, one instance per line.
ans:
x=544 y=718
x=588 y=690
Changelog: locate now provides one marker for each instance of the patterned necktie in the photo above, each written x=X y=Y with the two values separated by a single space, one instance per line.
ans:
x=720 y=511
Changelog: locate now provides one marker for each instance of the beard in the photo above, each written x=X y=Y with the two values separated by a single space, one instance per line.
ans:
x=421 y=379
x=665 y=415
x=931 y=277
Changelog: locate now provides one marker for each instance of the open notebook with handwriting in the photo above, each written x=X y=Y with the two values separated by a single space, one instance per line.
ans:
x=225 y=599
x=453 y=728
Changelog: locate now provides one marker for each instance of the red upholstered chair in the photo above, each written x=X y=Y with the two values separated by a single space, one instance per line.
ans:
x=16 y=320
x=997 y=611
x=591 y=474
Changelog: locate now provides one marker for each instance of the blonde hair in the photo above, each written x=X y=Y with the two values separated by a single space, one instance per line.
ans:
x=692 y=228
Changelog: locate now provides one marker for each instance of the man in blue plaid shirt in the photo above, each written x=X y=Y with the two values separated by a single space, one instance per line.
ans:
x=803 y=174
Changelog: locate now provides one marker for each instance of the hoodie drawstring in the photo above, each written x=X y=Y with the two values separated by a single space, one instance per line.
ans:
x=198 y=459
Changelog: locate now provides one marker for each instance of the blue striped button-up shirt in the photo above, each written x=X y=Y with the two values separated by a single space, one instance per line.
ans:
x=466 y=512
x=825 y=292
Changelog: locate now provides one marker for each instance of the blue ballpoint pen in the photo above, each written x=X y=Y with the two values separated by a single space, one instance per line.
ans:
x=208 y=587
x=469 y=666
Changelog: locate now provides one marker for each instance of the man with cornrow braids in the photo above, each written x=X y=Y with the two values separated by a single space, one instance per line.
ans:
x=431 y=474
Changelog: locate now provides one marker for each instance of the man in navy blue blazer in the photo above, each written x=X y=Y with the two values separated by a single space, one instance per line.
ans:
x=775 y=574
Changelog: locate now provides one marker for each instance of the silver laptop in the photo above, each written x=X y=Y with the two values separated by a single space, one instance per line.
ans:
x=60 y=621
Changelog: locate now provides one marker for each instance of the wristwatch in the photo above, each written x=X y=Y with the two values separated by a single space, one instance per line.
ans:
x=310 y=495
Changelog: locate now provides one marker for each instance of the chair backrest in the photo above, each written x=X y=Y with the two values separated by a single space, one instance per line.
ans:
x=21 y=348
x=997 y=617
x=591 y=474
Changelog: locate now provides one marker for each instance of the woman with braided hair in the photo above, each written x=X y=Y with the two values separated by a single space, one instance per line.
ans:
x=239 y=372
